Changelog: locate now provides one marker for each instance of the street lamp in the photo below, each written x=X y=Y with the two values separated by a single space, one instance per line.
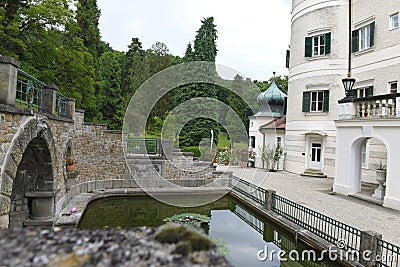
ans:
x=349 y=82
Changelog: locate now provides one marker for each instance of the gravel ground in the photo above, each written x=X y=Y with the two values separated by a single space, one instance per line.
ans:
x=97 y=247
x=314 y=193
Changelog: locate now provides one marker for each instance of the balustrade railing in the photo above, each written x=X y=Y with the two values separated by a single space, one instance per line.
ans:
x=380 y=106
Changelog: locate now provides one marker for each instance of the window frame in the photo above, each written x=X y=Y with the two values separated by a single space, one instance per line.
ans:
x=317 y=46
x=391 y=24
x=365 y=154
x=319 y=103
x=307 y=101
x=363 y=38
x=278 y=141
x=390 y=87
x=252 y=142
x=310 y=46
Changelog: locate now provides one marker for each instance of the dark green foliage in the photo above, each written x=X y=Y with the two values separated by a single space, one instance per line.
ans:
x=188 y=218
x=194 y=149
x=87 y=16
x=187 y=240
x=112 y=101
x=204 y=49
x=281 y=82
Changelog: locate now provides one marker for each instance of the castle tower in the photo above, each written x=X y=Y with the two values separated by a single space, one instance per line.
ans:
x=319 y=61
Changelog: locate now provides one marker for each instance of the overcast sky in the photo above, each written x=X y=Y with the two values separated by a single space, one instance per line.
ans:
x=253 y=35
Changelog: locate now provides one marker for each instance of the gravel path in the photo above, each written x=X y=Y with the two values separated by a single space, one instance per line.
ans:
x=314 y=193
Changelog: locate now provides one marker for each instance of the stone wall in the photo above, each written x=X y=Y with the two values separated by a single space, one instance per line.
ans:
x=99 y=152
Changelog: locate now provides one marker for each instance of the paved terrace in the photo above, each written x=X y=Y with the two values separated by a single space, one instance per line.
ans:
x=315 y=193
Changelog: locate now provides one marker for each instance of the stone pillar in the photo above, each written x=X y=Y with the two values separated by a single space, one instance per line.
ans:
x=8 y=80
x=269 y=199
x=347 y=111
x=71 y=108
x=70 y=180
x=368 y=245
x=50 y=99
x=397 y=107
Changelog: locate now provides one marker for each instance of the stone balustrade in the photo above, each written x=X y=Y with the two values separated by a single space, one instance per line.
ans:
x=374 y=107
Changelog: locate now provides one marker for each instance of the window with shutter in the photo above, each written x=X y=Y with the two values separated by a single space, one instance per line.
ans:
x=306 y=101
x=308 y=47
x=327 y=43
x=370 y=91
x=354 y=41
x=316 y=101
x=326 y=101
x=318 y=45
x=363 y=38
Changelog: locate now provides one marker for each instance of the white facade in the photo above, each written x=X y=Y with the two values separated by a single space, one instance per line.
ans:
x=259 y=138
x=323 y=26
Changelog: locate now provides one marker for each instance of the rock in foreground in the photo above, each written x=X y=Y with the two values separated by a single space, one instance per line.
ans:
x=98 y=247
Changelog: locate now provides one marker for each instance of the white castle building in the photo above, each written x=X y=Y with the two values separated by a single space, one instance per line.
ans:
x=347 y=136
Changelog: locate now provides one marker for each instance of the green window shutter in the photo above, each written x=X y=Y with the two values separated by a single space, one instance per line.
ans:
x=308 y=47
x=353 y=93
x=354 y=41
x=372 y=33
x=370 y=91
x=306 y=101
x=326 y=100
x=327 y=43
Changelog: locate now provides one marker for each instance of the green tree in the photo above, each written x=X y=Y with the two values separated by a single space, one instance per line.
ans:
x=87 y=16
x=205 y=49
x=112 y=101
x=281 y=82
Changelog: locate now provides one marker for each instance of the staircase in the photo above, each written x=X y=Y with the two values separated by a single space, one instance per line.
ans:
x=313 y=173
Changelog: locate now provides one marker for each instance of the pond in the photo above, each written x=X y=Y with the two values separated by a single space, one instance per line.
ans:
x=245 y=235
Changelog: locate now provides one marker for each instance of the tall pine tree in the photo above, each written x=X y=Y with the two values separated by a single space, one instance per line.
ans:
x=204 y=49
x=87 y=16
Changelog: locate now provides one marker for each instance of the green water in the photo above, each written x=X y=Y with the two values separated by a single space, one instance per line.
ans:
x=244 y=232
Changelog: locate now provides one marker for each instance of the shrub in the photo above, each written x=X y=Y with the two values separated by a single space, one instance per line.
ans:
x=195 y=150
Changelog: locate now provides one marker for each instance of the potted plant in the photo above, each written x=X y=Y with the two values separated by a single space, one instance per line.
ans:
x=224 y=156
x=70 y=164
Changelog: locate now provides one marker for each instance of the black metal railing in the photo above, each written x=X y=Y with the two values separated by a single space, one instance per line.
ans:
x=248 y=189
x=29 y=93
x=151 y=146
x=388 y=255
x=317 y=223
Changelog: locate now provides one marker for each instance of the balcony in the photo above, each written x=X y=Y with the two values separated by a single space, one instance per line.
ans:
x=373 y=107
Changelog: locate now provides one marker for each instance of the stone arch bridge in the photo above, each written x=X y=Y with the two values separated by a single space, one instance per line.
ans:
x=39 y=129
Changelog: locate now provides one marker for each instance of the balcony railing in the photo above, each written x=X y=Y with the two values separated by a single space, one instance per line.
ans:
x=380 y=106
x=29 y=93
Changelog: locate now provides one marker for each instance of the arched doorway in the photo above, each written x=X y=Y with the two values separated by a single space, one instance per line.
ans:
x=33 y=185
x=368 y=155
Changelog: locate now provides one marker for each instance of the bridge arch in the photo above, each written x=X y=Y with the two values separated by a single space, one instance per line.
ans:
x=29 y=166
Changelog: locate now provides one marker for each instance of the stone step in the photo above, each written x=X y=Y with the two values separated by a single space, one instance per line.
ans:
x=314 y=173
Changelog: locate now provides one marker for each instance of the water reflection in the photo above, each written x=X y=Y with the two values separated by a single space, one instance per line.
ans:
x=244 y=232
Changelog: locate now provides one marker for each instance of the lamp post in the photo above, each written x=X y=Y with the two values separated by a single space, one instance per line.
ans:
x=349 y=82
